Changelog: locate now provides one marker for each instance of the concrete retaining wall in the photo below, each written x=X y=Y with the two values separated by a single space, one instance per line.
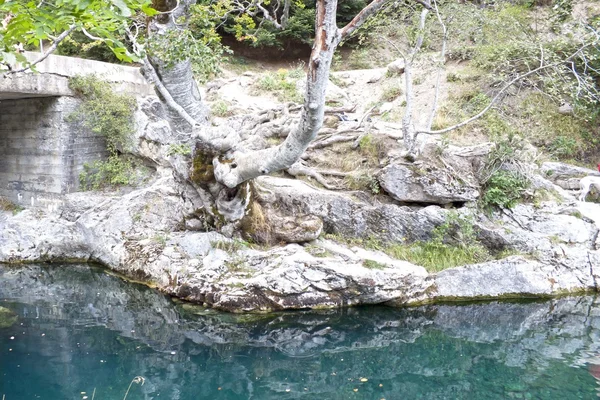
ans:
x=41 y=154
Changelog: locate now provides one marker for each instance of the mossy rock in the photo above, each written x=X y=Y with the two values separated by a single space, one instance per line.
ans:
x=7 y=318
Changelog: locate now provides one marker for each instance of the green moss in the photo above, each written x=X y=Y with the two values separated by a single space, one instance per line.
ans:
x=202 y=169
x=7 y=318
x=370 y=264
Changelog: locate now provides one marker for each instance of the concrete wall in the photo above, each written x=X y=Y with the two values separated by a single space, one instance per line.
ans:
x=41 y=155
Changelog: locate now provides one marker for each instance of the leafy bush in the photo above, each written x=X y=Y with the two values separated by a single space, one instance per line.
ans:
x=110 y=114
x=200 y=44
x=103 y=111
x=101 y=174
x=504 y=189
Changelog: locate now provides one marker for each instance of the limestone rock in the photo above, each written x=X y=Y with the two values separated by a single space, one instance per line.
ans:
x=431 y=186
x=348 y=216
x=396 y=67
x=513 y=277
x=565 y=175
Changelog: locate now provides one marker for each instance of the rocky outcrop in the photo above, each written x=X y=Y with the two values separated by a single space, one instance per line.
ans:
x=565 y=175
x=424 y=184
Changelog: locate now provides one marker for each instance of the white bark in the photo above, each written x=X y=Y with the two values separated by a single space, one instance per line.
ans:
x=239 y=167
x=233 y=169
x=178 y=79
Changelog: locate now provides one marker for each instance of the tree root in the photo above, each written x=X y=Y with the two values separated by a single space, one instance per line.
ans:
x=300 y=169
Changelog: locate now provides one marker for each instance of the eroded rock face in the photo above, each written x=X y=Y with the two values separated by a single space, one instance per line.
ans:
x=565 y=175
x=426 y=184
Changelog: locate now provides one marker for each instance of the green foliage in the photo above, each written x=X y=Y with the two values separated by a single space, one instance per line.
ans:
x=33 y=22
x=362 y=180
x=199 y=43
x=282 y=84
x=453 y=243
x=115 y=171
x=79 y=45
x=504 y=189
x=7 y=205
x=220 y=108
x=179 y=148
x=370 y=264
x=103 y=111
x=111 y=115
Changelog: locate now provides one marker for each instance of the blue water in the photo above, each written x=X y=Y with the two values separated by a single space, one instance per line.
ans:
x=80 y=329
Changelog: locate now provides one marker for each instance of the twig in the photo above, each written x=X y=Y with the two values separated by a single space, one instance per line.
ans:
x=94 y=394
x=50 y=50
x=332 y=140
x=440 y=68
x=499 y=94
x=137 y=379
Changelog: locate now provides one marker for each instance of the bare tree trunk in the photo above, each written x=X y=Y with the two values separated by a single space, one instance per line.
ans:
x=177 y=79
x=408 y=128
x=239 y=167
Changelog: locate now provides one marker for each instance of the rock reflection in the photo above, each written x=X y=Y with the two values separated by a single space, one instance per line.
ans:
x=79 y=328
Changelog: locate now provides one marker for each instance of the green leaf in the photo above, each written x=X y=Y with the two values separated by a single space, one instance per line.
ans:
x=125 y=11
x=149 y=11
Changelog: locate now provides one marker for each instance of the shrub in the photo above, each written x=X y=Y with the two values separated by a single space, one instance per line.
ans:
x=391 y=93
x=504 y=189
x=101 y=174
x=103 y=111
x=282 y=84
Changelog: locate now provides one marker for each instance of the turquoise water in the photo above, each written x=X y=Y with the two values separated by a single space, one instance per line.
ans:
x=80 y=329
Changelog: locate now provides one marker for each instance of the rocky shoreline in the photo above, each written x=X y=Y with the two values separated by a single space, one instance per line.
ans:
x=165 y=235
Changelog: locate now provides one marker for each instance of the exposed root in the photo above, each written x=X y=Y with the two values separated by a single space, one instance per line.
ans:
x=299 y=169
x=332 y=140
x=339 y=110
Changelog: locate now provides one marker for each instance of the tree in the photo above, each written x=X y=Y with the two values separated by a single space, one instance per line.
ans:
x=168 y=27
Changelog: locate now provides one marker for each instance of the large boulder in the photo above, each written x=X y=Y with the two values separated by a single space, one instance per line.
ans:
x=349 y=216
x=425 y=185
x=566 y=176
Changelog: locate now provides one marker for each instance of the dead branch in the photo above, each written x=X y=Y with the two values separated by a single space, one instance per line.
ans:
x=332 y=140
x=339 y=110
x=501 y=92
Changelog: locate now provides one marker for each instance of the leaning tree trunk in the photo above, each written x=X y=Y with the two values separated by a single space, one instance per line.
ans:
x=177 y=79
x=239 y=166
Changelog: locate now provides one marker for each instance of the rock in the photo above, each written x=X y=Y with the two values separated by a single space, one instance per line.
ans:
x=347 y=216
x=395 y=67
x=565 y=175
x=375 y=77
x=298 y=229
x=7 y=318
x=566 y=109
x=513 y=277
x=428 y=185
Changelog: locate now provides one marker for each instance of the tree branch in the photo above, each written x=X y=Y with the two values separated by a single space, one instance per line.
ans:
x=155 y=80
x=499 y=94
x=361 y=17
x=50 y=50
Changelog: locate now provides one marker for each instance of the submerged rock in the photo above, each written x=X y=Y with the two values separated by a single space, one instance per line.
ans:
x=7 y=318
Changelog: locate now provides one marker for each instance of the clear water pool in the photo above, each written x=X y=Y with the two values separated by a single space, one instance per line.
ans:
x=81 y=332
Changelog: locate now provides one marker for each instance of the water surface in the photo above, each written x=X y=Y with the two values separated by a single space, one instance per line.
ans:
x=80 y=329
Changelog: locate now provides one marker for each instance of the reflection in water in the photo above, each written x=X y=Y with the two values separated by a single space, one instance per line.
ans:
x=80 y=329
